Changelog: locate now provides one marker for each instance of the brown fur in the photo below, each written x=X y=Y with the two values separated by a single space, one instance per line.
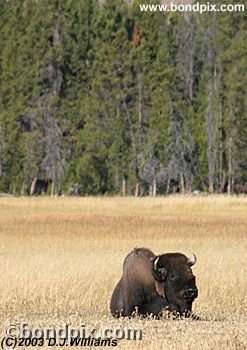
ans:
x=148 y=290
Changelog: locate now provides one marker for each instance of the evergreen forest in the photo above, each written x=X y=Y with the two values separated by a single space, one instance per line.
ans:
x=99 y=98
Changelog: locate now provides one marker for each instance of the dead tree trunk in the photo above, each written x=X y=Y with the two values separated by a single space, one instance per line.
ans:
x=53 y=188
x=33 y=186
x=168 y=185
x=210 y=116
x=124 y=186
x=137 y=189
x=222 y=181
x=140 y=108
x=181 y=184
x=154 y=186
x=229 y=186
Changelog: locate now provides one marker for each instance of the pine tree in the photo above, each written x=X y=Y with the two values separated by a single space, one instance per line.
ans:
x=103 y=137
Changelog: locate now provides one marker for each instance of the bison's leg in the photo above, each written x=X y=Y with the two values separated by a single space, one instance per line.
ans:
x=153 y=307
x=125 y=300
x=117 y=301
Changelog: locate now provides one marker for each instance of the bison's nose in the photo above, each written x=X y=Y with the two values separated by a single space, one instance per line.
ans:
x=191 y=293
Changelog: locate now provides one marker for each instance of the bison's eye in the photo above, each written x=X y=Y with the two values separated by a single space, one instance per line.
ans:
x=173 y=277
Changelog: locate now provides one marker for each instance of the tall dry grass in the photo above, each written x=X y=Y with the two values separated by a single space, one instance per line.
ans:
x=61 y=258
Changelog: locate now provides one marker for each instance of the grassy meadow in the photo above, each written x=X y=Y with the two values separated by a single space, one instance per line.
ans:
x=60 y=259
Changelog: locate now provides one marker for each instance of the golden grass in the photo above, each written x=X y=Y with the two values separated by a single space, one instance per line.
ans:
x=61 y=258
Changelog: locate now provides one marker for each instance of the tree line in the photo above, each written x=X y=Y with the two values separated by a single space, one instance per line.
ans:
x=101 y=98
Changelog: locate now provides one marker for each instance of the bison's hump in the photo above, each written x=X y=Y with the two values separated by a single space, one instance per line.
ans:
x=144 y=252
x=139 y=253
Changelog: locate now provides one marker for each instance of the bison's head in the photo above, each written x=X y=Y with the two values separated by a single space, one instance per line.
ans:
x=175 y=281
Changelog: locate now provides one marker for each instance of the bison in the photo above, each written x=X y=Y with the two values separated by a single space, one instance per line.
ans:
x=151 y=284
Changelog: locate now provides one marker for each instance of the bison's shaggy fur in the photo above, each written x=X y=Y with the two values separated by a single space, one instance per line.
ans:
x=151 y=284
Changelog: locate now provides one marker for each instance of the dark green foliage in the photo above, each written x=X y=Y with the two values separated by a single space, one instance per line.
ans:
x=100 y=98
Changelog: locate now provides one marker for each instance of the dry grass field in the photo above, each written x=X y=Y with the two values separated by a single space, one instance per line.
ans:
x=61 y=258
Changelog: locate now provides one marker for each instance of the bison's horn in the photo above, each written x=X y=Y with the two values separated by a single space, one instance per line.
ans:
x=156 y=263
x=192 y=261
